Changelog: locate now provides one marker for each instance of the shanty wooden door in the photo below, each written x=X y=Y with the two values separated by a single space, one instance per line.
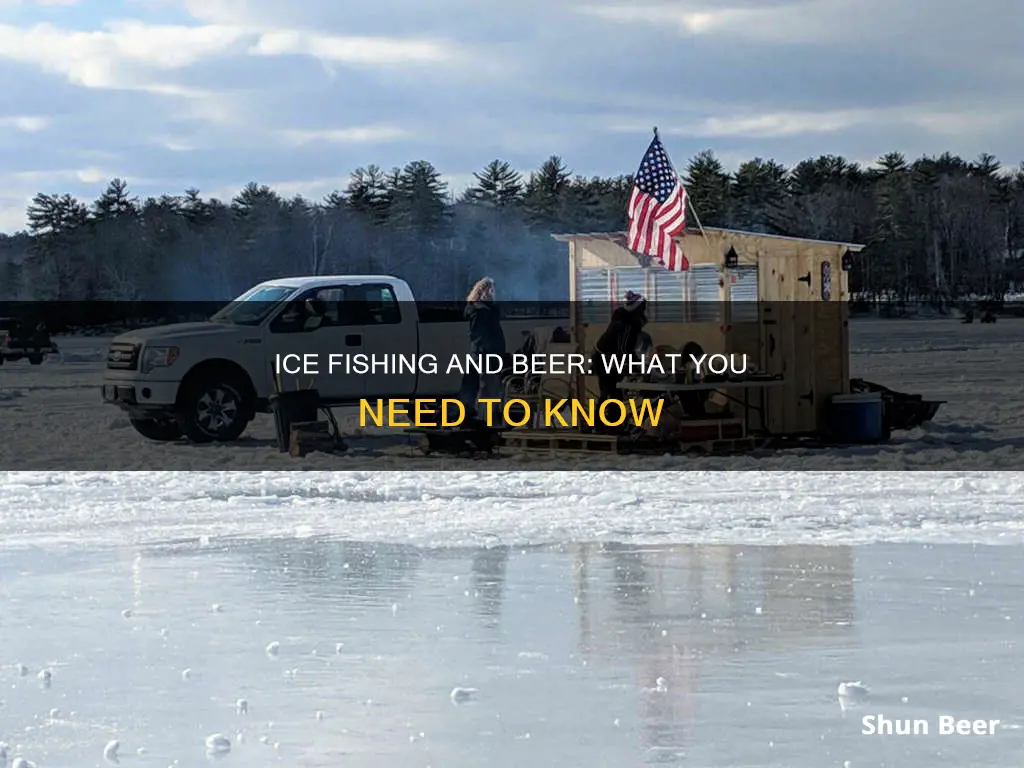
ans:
x=788 y=341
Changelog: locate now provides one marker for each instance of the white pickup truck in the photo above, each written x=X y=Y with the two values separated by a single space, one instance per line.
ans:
x=207 y=380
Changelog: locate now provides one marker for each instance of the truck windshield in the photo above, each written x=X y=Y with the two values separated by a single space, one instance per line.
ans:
x=253 y=306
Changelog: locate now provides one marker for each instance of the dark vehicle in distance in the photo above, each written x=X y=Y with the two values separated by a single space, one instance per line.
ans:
x=19 y=339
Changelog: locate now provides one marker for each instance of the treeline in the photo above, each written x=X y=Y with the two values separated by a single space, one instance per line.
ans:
x=937 y=229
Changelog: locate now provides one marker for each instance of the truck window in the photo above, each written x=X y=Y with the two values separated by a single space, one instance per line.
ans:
x=253 y=306
x=332 y=303
x=380 y=305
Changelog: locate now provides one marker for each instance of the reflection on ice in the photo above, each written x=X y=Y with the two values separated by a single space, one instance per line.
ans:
x=588 y=654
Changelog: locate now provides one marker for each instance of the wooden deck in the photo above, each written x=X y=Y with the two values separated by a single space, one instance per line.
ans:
x=560 y=440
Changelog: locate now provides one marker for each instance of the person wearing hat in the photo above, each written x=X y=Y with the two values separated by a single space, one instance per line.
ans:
x=620 y=338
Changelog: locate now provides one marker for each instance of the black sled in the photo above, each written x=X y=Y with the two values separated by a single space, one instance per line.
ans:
x=900 y=411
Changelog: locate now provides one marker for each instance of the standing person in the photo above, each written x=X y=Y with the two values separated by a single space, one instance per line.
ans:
x=620 y=338
x=485 y=338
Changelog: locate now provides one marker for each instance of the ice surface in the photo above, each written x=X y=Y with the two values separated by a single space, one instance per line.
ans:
x=661 y=658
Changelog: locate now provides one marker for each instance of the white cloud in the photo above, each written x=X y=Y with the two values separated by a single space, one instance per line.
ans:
x=691 y=21
x=352 y=50
x=136 y=56
x=25 y=123
x=368 y=134
x=216 y=10
x=93 y=175
x=815 y=22
x=784 y=124
x=111 y=58
x=175 y=144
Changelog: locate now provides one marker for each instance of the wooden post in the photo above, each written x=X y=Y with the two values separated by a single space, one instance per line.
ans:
x=576 y=384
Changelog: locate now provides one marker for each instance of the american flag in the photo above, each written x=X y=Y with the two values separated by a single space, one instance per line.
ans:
x=657 y=210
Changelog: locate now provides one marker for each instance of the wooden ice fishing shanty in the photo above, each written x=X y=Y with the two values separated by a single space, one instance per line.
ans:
x=782 y=301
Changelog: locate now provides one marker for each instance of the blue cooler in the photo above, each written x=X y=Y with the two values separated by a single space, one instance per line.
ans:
x=858 y=418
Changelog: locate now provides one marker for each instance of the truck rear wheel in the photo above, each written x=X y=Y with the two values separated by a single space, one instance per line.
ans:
x=214 y=409
x=162 y=430
x=35 y=359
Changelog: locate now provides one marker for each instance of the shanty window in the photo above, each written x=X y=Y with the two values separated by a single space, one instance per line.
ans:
x=691 y=296
x=743 y=294
x=826 y=281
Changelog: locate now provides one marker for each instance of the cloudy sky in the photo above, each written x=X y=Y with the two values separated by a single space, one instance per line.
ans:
x=214 y=93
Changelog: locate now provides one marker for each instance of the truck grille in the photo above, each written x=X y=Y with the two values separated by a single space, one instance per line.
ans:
x=122 y=356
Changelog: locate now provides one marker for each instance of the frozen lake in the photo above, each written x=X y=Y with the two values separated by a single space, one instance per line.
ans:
x=564 y=644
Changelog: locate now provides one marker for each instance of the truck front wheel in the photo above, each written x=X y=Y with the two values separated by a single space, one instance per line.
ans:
x=163 y=430
x=214 y=409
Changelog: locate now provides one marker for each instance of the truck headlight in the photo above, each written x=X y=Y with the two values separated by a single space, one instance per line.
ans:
x=158 y=357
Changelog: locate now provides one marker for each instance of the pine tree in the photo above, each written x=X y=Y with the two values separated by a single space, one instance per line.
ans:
x=419 y=199
x=498 y=185
x=115 y=202
x=367 y=193
x=546 y=192
x=759 y=195
x=708 y=187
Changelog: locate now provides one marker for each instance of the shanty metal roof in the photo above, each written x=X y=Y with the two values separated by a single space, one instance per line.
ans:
x=616 y=236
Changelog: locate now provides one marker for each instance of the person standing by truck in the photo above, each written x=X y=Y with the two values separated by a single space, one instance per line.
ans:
x=485 y=338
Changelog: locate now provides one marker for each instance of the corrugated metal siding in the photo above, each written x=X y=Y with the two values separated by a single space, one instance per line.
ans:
x=629 y=279
x=743 y=294
x=671 y=290
x=594 y=291
x=692 y=296
x=601 y=290
x=707 y=307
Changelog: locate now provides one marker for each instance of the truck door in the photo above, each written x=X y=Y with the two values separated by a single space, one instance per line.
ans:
x=389 y=329
x=319 y=321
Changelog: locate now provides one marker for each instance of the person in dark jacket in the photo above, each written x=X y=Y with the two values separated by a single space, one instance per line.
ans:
x=620 y=338
x=485 y=338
